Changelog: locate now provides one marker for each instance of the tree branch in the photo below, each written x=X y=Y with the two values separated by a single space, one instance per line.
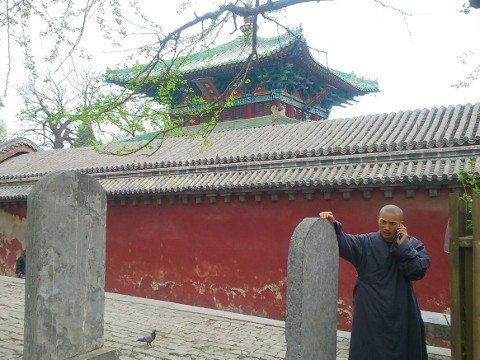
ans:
x=393 y=8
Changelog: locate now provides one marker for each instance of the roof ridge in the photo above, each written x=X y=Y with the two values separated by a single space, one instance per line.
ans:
x=463 y=105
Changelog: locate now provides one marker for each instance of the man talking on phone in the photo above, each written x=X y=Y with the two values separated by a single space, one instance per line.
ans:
x=387 y=323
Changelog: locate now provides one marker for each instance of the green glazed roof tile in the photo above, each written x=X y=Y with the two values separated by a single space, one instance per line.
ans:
x=236 y=52
x=359 y=83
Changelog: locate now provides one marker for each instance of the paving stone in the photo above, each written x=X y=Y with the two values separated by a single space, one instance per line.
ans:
x=128 y=318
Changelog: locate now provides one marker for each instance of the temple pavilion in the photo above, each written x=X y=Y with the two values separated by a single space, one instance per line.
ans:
x=284 y=78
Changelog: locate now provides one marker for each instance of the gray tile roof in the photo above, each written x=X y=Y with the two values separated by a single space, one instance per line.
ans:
x=15 y=142
x=399 y=148
x=300 y=175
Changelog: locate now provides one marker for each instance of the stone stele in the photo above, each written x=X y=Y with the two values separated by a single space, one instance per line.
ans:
x=312 y=292
x=65 y=272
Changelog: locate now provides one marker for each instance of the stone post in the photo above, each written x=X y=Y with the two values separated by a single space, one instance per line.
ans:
x=65 y=273
x=312 y=292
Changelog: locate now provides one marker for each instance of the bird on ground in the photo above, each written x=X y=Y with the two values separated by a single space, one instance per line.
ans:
x=149 y=338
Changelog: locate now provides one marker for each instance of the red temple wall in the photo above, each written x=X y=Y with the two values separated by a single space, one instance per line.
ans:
x=233 y=256
x=12 y=238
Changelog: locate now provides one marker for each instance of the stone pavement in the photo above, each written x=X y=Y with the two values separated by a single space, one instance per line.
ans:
x=183 y=332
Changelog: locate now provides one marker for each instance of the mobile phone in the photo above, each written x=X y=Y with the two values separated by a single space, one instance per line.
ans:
x=399 y=235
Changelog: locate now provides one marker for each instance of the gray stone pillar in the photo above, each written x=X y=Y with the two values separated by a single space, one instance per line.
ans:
x=312 y=292
x=65 y=273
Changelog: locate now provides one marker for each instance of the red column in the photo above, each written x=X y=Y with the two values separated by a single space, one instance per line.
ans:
x=249 y=111
x=290 y=111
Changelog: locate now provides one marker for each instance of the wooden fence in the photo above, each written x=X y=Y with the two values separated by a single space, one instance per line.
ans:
x=465 y=279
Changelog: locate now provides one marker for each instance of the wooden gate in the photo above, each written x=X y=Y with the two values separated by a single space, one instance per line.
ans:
x=465 y=279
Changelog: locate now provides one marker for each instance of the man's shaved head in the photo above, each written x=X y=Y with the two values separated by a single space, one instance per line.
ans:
x=393 y=209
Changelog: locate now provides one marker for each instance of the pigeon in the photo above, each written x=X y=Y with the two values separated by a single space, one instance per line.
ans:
x=149 y=338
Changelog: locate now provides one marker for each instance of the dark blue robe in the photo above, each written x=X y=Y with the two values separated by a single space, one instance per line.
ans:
x=387 y=323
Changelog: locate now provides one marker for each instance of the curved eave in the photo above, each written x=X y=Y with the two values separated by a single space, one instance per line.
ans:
x=285 y=51
x=306 y=61
x=313 y=65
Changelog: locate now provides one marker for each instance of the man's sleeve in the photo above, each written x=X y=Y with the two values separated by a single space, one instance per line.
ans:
x=412 y=257
x=349 y=246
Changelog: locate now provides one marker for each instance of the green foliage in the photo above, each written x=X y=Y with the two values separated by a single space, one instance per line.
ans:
x=157 y=113
x=85 y=136
x=474 y=73
x=60 y=27
x=470 y=180
x=465 y=8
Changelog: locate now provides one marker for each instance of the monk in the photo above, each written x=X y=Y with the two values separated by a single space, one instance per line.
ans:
x=387 y=323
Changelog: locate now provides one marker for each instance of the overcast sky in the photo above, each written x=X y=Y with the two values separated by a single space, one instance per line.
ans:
x=416 y=58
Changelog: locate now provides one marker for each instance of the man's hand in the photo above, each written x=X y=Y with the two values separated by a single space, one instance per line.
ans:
x=402 y=234
x=327 y=215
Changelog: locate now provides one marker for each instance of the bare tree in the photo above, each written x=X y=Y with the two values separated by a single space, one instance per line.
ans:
x=65 y=111
x=54 y=109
